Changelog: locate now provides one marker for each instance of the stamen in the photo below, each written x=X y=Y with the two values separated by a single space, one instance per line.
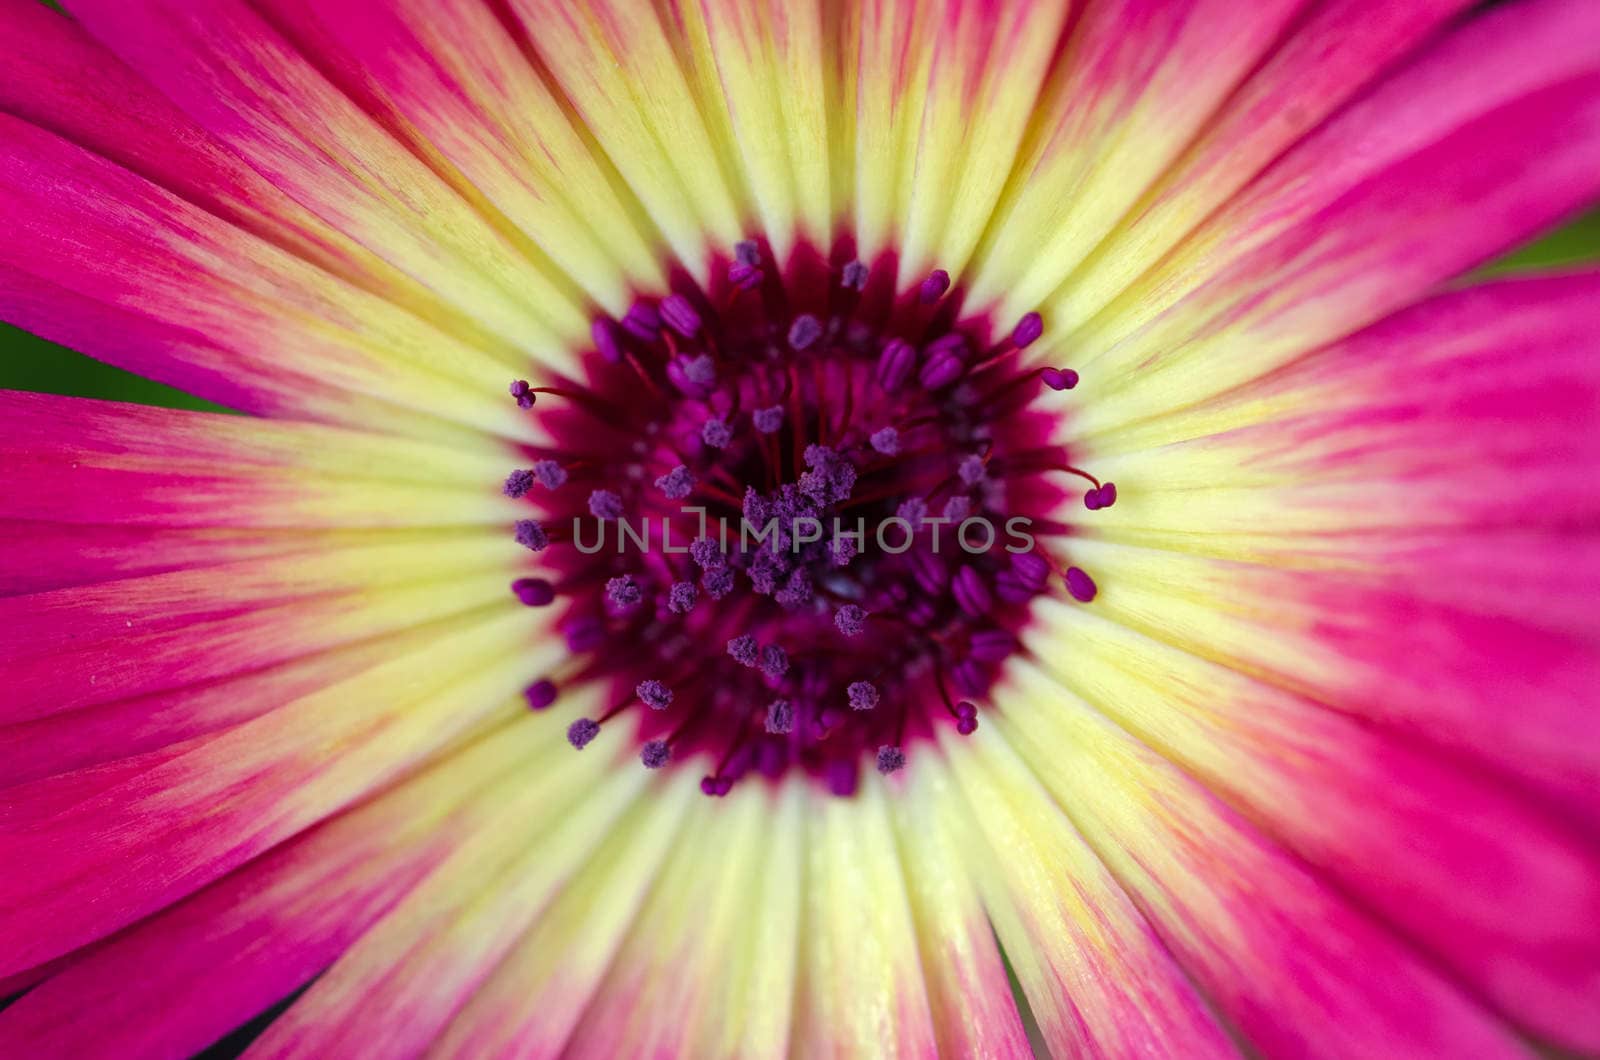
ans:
x=533 y=592
x=540 y=694
x=863 y=695
x=530 y=535
x=654 y=694
x=834 y=425
x=582 y=732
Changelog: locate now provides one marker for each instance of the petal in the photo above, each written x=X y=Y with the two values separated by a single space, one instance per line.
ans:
x=97 y=253
x=969 y=994
x=1284 y=957
x=266 y=929
x=1493 y=886
x=862 y=990
x=617 y=65
x=530 y=1002
x=242 y=81
x=394 y=989
x=1098 y=978
x=158 y=833
x=1411 y=476
x=452 y=83
x=1144 y=193
x=701 y=948
x=1134 y=83
x=1362 y=217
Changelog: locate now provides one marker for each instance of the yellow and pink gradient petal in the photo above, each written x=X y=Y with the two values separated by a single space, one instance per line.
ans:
x=1280 y=746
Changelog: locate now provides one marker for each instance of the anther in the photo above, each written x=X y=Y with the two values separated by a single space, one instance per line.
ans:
x=582 y=732
x=890 y=759
x=604 y=504
x=623 y=591
x=655 y=754
x=768 y=420
x=518 y=483
x=804 y=332
x=850 y=620
x=780 y=717
x=540 y=694
x=934 y=287
x=1028 y=329
x=654 y=694
x=1080 y=585
x=863 y=695
x=530 y=535
x=854 y=276
x=681 y=598
x=680 y=315
x=677 y=483
x=533 y=592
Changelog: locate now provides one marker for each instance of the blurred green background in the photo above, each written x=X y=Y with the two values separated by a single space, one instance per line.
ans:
x=30 y=363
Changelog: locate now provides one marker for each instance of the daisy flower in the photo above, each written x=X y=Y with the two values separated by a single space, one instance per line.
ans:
x=1172 y=626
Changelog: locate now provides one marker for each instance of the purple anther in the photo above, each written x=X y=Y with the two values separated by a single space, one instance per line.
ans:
x=1032 y=568
x=680 y=315
x=744 y=276
x=681 y=598
x=939 y=372
x=1028 y=329
x=780 y=717
x=716 y=433
x=533 y=592
x=604 y=504
x=886 y=441
x=530 y=535
x=890 y=760
x=972 y=593
x=718 y=583
x=863 y=695
x=550 y=474
x=1059 y=378
x=896 y=363
x=957 y=508
x=677 y=483
x=623 y=591
x=654 y=694
x=540 y=694
x=607 y=343
x=707 y=554
x=804 y=332
x=518 y=483
x=913 y=510
x=774 y=661
x=744 y=650
x=991 y=645
x=854 y=276
x=523 y=393
x=768 y=420
x=934 y=287
x=1080 y=585
x=654 y=754
x=850 y=620
x=642 y=321
x=582 y=732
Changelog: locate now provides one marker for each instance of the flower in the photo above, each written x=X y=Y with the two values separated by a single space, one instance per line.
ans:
x=1279 y=738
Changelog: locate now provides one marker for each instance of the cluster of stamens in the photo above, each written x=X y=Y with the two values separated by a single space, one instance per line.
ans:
x=792 y=520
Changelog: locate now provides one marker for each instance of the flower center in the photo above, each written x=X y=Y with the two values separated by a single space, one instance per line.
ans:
x=795 y=522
